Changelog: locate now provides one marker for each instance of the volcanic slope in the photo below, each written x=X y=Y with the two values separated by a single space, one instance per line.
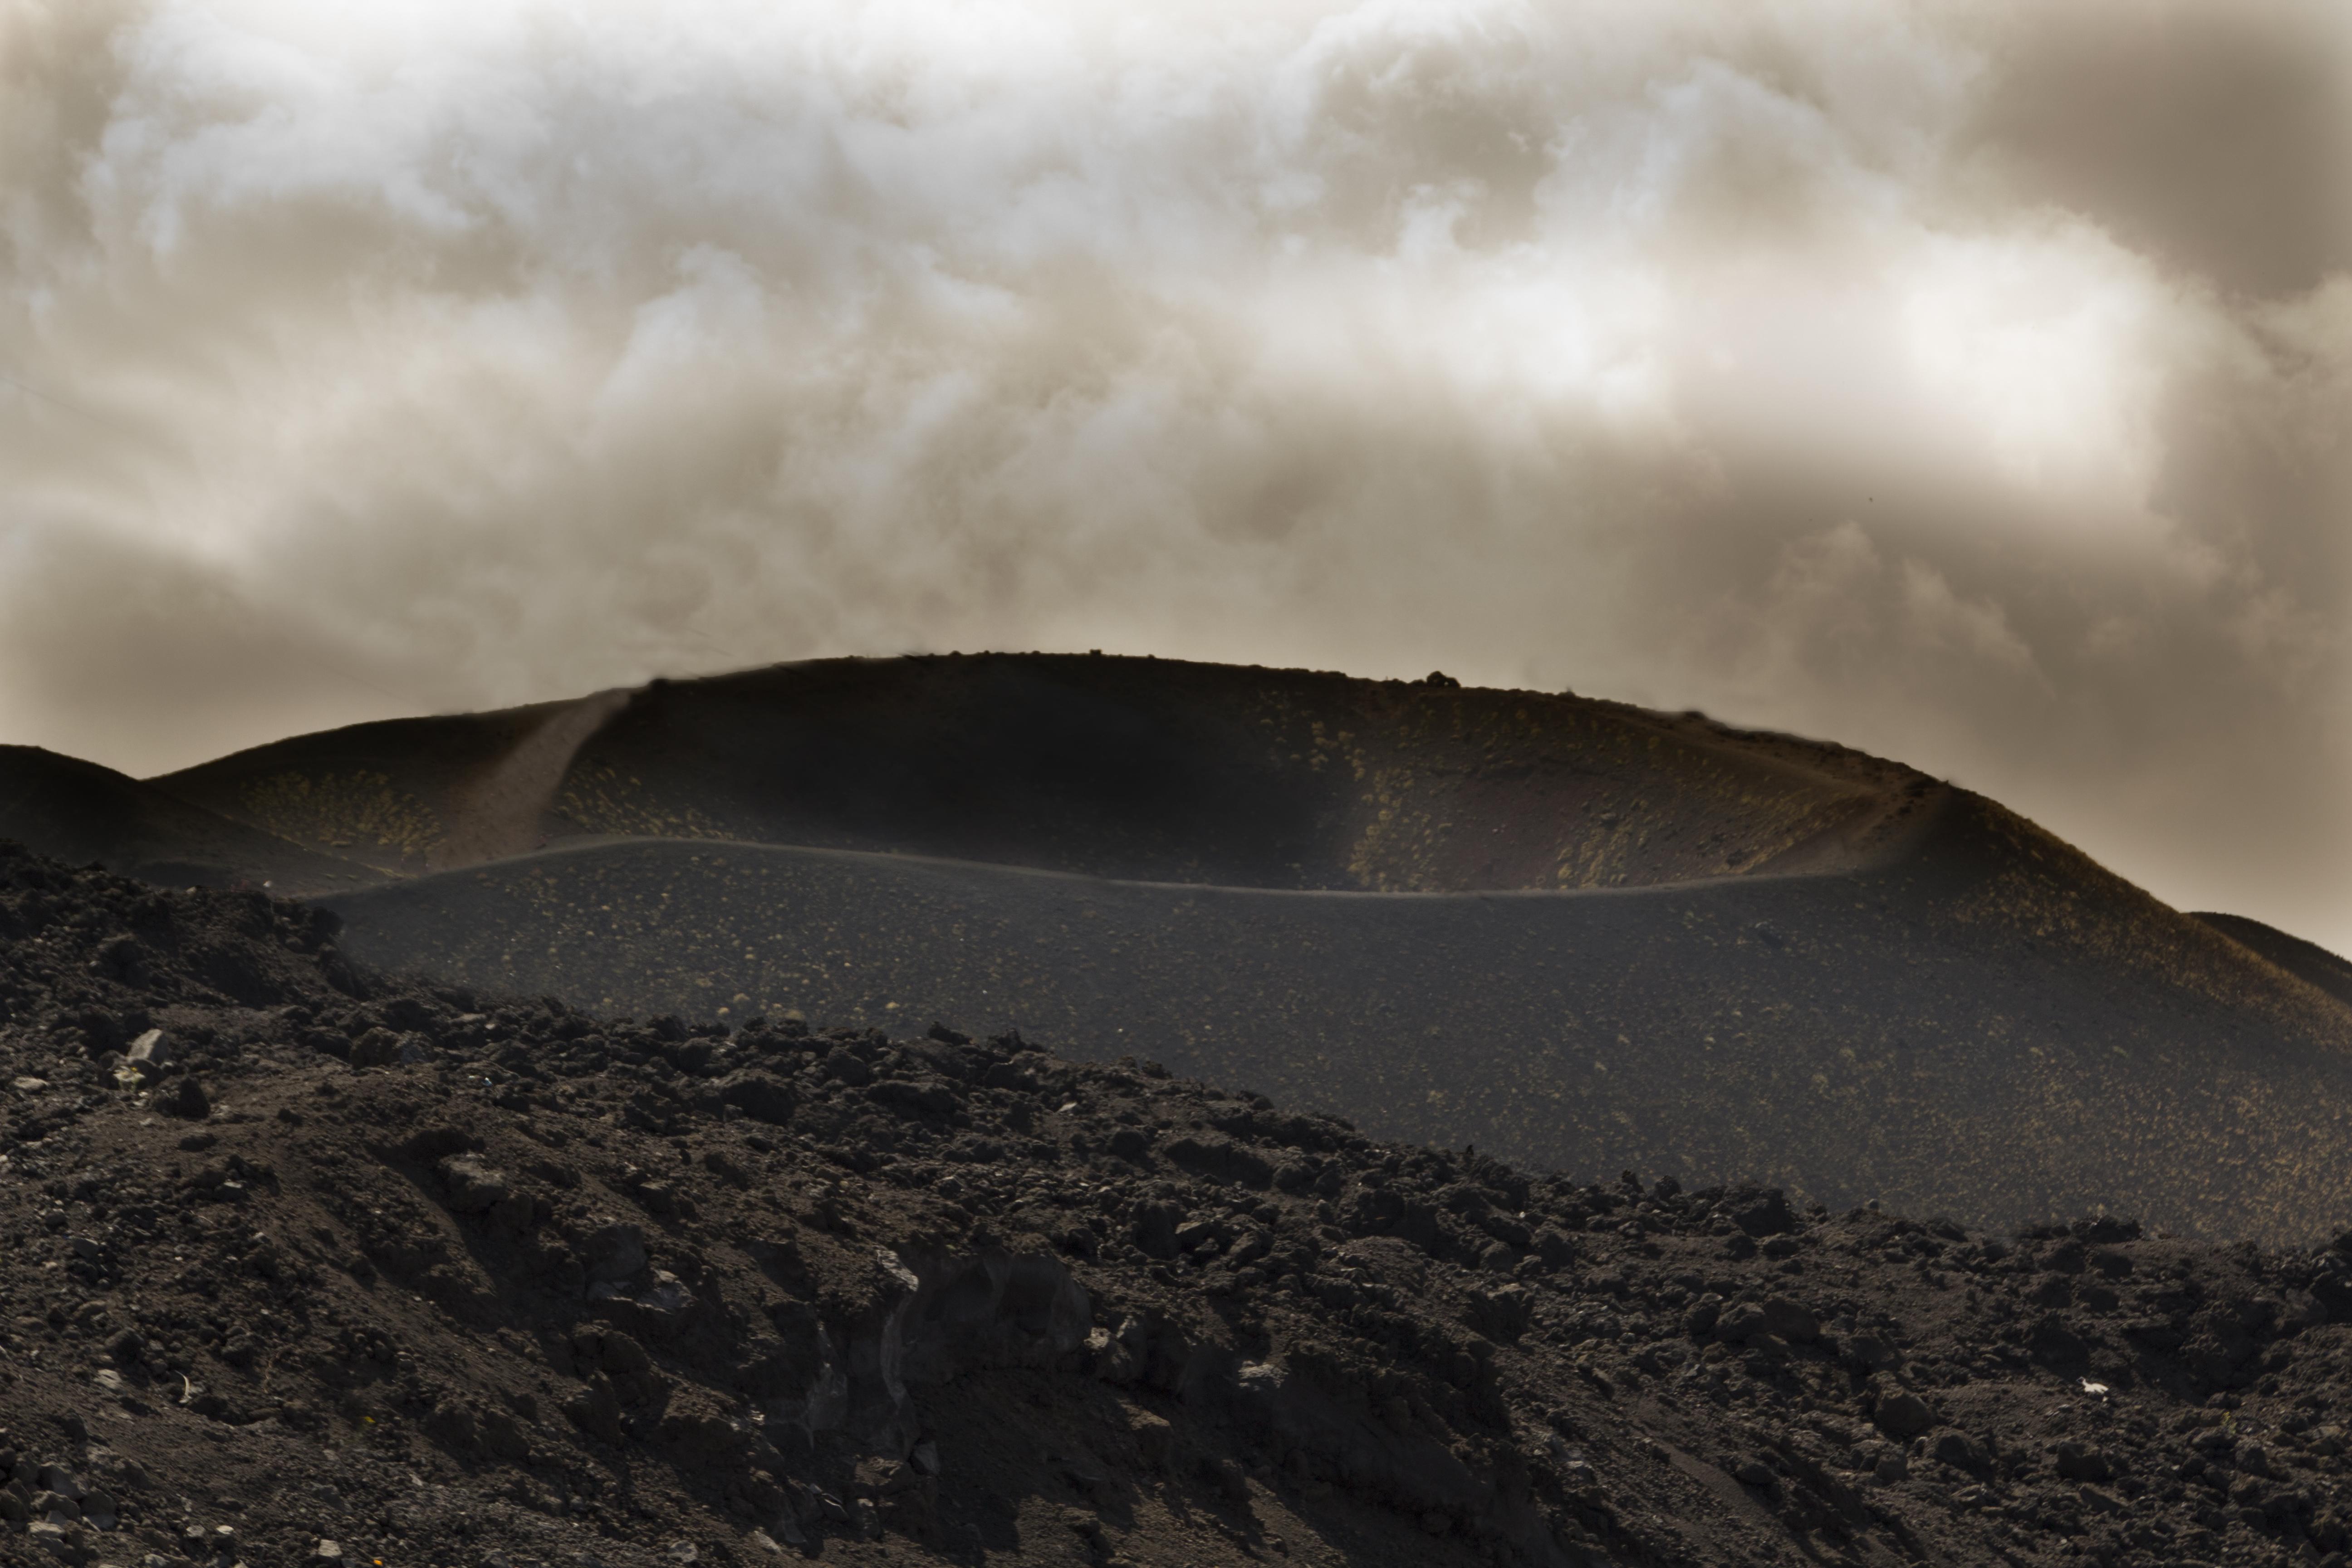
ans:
x=1670 y=944
x=2307 y=961
x=404 y=795
x=80 y=812
x=1951 y=1034
x=442 y=1278
x=1580 y=934
x=1141 y=769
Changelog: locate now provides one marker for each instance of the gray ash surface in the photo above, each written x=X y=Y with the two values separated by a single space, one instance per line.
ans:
x=292 y=1254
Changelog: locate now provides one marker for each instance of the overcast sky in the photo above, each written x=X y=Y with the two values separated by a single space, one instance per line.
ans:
x=1968 y=383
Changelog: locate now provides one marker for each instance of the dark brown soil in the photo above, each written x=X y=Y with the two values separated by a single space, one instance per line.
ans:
x=445 y=1279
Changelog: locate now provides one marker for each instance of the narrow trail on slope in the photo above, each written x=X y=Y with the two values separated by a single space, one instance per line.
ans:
x=498 y=814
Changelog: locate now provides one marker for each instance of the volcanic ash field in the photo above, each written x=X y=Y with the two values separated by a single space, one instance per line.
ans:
x=302 y=1265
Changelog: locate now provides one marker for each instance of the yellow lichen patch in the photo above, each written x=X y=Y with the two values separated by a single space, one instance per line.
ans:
x=1423 y=789
x=601 y=799
x=359 y=813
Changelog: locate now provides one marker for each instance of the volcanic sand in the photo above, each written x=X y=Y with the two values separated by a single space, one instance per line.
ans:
x=1936 y=1035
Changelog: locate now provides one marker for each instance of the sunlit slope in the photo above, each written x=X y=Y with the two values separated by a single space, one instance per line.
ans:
x=80 y=813
x=1992 y=1028
x=1171 y=772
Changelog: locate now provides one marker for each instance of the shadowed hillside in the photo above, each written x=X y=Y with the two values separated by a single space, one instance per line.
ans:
x=1138 y=768
x=80 y=813
x=2305 y=959
x=1169 y=772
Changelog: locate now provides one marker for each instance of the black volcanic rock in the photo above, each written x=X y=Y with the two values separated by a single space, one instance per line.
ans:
x=542 y=1289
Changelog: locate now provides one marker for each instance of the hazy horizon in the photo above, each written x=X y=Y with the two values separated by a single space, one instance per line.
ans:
x=1965 y=383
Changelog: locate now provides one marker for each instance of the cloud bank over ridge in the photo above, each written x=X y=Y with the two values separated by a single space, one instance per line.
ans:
x=1963 y=382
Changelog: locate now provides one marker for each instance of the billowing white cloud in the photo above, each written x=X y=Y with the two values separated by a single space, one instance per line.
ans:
x=1964 y=381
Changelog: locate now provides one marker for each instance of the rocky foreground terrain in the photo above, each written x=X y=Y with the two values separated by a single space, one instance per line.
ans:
x=299 y=1265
